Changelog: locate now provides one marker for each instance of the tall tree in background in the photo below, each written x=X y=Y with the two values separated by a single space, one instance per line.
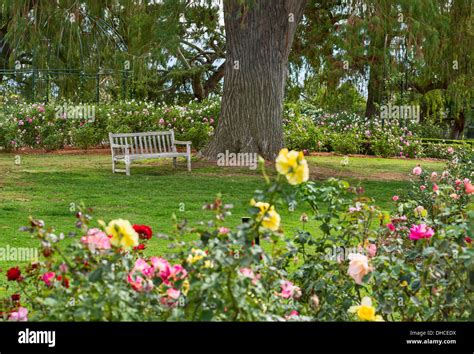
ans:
x=259 y=36
x=173 y=49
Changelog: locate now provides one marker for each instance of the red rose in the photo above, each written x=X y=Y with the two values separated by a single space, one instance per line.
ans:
x=64 y=281
x=143 y=231
x=468 y=239
x=13 y=274
x=16 y=297
x=47 y=252
x=140 y=247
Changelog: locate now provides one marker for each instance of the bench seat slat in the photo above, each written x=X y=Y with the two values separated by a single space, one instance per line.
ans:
x=151 y=156
x=154 y=144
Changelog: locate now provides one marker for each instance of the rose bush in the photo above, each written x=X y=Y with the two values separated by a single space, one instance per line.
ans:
x=48 y=127
x=412 y=263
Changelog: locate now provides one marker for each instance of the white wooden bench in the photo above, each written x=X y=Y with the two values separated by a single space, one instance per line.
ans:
x=128 y=147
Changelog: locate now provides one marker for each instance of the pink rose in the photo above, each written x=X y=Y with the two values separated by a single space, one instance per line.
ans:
x=435 y=188
x=391 y=227
x=395 y=198
x=173 y=293
x=372 y=250
x=177 y=272
x=434 y=175
x=223 y=230
x=288 y=289
x=420 y=231
x=469 y=188
x=63 y=268
x=417 y=171
x=293 y=313
x=96 y=240
x=143 y=267
x=422 y=187
x=450 y=150
x=358 y=267
x=19 y=316
x=136 y=283
x=163 y=268
x=248 y=273
x=48 y=278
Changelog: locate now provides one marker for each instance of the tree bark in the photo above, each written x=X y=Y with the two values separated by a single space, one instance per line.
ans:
x=375 y=88
x=259 y=36
x=374 y=91
x=5 y=51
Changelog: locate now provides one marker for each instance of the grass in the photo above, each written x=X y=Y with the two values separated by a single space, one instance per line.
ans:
x=49 y=186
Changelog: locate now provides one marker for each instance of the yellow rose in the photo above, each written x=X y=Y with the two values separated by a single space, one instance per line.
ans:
x=123 y=234
x=365 y=311
x=208 y=264
x=185 y=287
x=196 y=255
x=293 y=166
x=268 y=216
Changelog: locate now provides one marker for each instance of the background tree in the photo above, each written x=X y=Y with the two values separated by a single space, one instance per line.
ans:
x=172 y=50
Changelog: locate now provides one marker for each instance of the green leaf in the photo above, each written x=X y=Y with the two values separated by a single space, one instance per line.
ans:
x=49 y=301
x=95 y=275
x=207 y=315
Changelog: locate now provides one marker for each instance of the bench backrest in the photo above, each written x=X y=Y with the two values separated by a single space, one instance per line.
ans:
x=145 y=143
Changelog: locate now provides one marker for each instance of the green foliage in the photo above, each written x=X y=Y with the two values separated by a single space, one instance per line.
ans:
x=300 y=131
x=384 y=145
x=85 y=137
x=345 y=143
x=41 y=126
x=222 y=275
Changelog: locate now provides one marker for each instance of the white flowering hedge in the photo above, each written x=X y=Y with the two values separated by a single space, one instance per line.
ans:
x=56 y=125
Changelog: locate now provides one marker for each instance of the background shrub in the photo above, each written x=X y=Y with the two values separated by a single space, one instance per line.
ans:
x=348 y=143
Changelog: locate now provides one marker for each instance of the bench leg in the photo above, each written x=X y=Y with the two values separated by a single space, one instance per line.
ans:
x=127 y=166
x=174 y=162
x=113 y=165
x=189 y=162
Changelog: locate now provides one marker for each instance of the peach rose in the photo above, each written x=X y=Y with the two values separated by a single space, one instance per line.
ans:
x=358 y=267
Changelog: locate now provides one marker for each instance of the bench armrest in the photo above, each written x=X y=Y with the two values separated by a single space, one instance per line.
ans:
x=117 y=148
x=178 y=142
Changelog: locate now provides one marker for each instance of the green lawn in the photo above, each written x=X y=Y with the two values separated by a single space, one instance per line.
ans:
x=46 y=186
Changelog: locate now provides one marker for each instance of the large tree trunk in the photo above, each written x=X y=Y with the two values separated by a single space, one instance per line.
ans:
x=5 y=51
x=375 y=88
x=374 y=91
x=458 y=126
x=259 y=35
